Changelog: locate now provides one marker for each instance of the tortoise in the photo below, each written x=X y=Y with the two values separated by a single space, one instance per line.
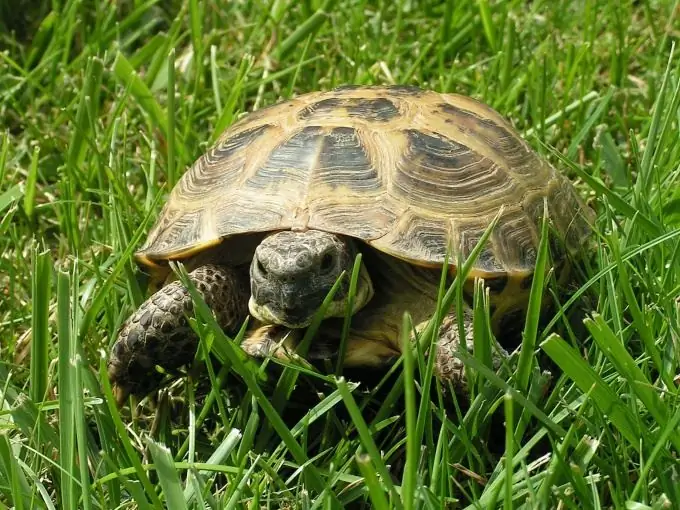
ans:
x=269 y=218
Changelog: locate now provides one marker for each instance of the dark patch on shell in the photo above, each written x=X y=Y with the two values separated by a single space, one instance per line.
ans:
x=487 y=260
x=494 y=134
x=344 y=161
x=289 y=154
x=406 y=90
x=344 y=88
x=440 y=152
x=320 y=107
x=498 y=130
x=439 y=171
x=371 y=109
x=235 y=143
x=379 y=110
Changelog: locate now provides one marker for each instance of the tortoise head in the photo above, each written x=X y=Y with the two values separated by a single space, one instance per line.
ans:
x=292 y=273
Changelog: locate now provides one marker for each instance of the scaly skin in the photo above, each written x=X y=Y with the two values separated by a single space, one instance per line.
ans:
x=158 y=333
x=364 y=349
x=448 y=366
x=292 y=272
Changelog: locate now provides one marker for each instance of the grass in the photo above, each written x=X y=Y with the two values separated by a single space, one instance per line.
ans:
x=104 y=104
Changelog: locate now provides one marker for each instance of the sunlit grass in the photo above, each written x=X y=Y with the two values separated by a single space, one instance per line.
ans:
x=104 y=104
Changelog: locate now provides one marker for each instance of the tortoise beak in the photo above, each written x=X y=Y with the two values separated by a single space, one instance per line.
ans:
x=295 y=317
x=290 y=317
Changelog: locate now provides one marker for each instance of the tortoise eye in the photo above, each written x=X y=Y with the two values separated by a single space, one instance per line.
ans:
x=327 y=262
x=260 y=268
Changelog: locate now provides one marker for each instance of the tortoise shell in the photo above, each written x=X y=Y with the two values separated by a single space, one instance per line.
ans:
x=413 y=173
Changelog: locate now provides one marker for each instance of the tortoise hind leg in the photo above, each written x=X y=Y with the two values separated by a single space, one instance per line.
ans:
x=449 y=368
x=158 y=333
x=378 y=342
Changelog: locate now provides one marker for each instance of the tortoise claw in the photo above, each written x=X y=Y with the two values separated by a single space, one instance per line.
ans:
x=120 y=394
x=272 y=341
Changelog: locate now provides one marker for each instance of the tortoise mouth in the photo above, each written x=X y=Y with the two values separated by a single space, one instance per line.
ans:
x=294 y=318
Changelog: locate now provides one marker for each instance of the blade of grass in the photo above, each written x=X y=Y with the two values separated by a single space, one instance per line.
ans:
x=17 y=489
x=82 y=134
x=104 y=293
x=69 y=495
x=507 y=57
x=215 y=78
x=613 y=163
x=245 y=480
x=226 y=115
x=489 y=374
x=602 y=106
x=41 y=290
x=4 y=150
x=651 y=152
x=397 y=31
x=670 y=429
x=509 y=448
x=316 y=412
x=171 y=172
x=236 y=358
x=195 y=22
x=250 y=432
x=367 y=442
x=482 y=338
x=351 y=295
x=167 y=476
x=160 y=59
x=140 y=496
x=627 y=368
x=76 y=386
x=602 y=395
x=627 y=255
x=126 y=74
x=557 y=116
x=639 y=319
x=557 y=462
x=488 y=24
x=527 y=356
x=376 y=492
x=410 y=476
x=305 y=30
x=31 y=184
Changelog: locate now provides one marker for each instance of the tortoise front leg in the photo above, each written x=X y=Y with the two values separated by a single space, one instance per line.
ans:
x=375 y=344
x=158 y=333
x=271 y=340
x=281 y=342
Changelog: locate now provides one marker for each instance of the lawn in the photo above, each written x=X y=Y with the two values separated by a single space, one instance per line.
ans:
x=104 y=104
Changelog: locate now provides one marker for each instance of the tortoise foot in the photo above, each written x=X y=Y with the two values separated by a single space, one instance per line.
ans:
x=448 y=366
x=159 y=334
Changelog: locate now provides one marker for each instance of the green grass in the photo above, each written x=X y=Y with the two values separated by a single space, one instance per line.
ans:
x=96 y=123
